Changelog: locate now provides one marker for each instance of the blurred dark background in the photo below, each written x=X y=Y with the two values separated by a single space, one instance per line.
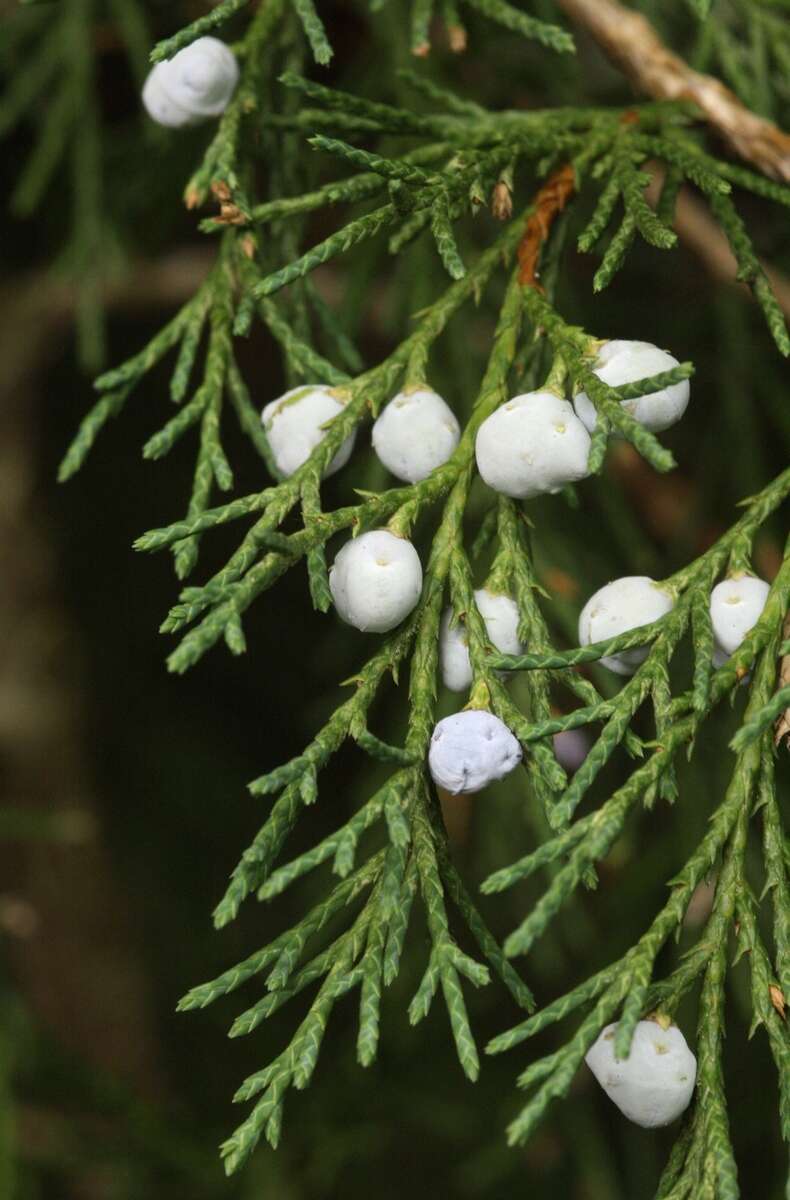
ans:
x=123 y=789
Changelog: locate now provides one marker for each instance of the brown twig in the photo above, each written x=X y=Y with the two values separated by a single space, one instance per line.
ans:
x=632 y=43
x=45 y=302
x=549 y=203
x=698 y=231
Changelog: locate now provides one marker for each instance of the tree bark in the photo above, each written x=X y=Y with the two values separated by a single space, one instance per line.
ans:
x=632 y=43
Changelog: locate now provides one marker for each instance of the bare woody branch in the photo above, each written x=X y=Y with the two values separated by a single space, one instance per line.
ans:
x=632 y=43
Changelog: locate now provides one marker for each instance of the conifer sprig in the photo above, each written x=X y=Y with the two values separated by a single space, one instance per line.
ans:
x=391 y=856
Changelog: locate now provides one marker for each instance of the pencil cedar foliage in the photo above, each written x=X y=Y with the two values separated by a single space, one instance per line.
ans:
x=407 y=178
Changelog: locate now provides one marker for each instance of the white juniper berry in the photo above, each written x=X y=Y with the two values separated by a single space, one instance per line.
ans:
x=296 y=422
x=375 y=581
x=534 y=443
x=471 y=749
x=416 y=433
x=501 y=617
x=621 y=605
x=197 y=83
x=735 y=607
x=654 y=1085
x=620 y=362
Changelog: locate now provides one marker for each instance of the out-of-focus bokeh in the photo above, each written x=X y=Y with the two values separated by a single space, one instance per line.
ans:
x=123 y=789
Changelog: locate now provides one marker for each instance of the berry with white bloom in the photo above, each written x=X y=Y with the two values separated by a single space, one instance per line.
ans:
x=416 y=432
x=621 y=362
x=195 y=84
x=654 y=1085
x=621 y=605
x=571 y=747
x=535 y=443
x=471 y=749
x=735 y=606
x=376 y=581
x=296 y=423
x=500 y=614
